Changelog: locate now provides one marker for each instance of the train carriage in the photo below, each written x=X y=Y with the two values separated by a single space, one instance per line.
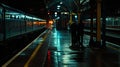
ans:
x=14 y=22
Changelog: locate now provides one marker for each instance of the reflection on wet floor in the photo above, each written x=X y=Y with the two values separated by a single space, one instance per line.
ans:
x=61 y=55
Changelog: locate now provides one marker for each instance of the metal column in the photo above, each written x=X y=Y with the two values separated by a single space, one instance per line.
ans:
x=98 y=23
x=70 y=21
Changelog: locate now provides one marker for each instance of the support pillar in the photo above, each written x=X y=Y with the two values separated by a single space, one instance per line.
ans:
x=70 y=21
x=98 y=41
x=79 y=12
x=79 y=17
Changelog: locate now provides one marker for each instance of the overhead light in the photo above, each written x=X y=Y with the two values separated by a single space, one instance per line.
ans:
x=56 y=13
x=58 y=6
x=61 y=2
x=76 y=16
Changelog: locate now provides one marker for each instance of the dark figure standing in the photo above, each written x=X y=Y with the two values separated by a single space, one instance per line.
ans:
x=73 y=29
x=80 y=33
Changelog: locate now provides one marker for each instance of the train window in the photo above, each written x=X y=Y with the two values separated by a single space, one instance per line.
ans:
x=13 y=16
x=7 y=16
x=22 y=16
x=16 y=17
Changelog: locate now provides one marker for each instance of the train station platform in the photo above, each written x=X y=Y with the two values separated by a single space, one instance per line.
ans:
x=52 y=49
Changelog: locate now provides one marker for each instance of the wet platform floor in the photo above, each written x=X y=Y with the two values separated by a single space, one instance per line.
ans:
x=52 y=49
x=60 y=54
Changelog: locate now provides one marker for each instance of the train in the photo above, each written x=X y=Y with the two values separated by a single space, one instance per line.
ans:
x=111 y=23
x=14 y=22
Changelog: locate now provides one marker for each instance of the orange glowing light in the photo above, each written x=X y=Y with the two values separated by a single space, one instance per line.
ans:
x=39 y=23
x=50 y=22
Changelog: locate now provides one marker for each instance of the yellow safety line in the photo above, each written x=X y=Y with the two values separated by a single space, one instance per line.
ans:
x=35 y=52
x=114 y=48
x=32 y=56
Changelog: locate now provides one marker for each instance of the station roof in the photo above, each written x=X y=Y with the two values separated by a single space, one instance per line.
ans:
x=41 y=7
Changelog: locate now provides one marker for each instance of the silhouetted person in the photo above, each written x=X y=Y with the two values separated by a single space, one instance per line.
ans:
x=73 y=29
x=80 y=33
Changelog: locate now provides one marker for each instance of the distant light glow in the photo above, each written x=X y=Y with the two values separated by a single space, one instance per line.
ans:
x=39 y=23
x=55 y=13
x=48 y=13
x=58 y=6
x=22 y=16
x=13 y=16
x=58 y=18
x=64 y=12
x=51 y=22
x=28 y=17
x=76 y=16
x=61 y=2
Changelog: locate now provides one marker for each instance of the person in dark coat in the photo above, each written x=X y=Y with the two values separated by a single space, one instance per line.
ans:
x=80 y=33
x=73 y=30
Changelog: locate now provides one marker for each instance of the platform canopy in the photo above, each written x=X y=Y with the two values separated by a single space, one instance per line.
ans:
x=109 y=7
x=41 y=7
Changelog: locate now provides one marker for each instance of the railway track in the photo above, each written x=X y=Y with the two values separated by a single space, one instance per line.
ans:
x=110 y=36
